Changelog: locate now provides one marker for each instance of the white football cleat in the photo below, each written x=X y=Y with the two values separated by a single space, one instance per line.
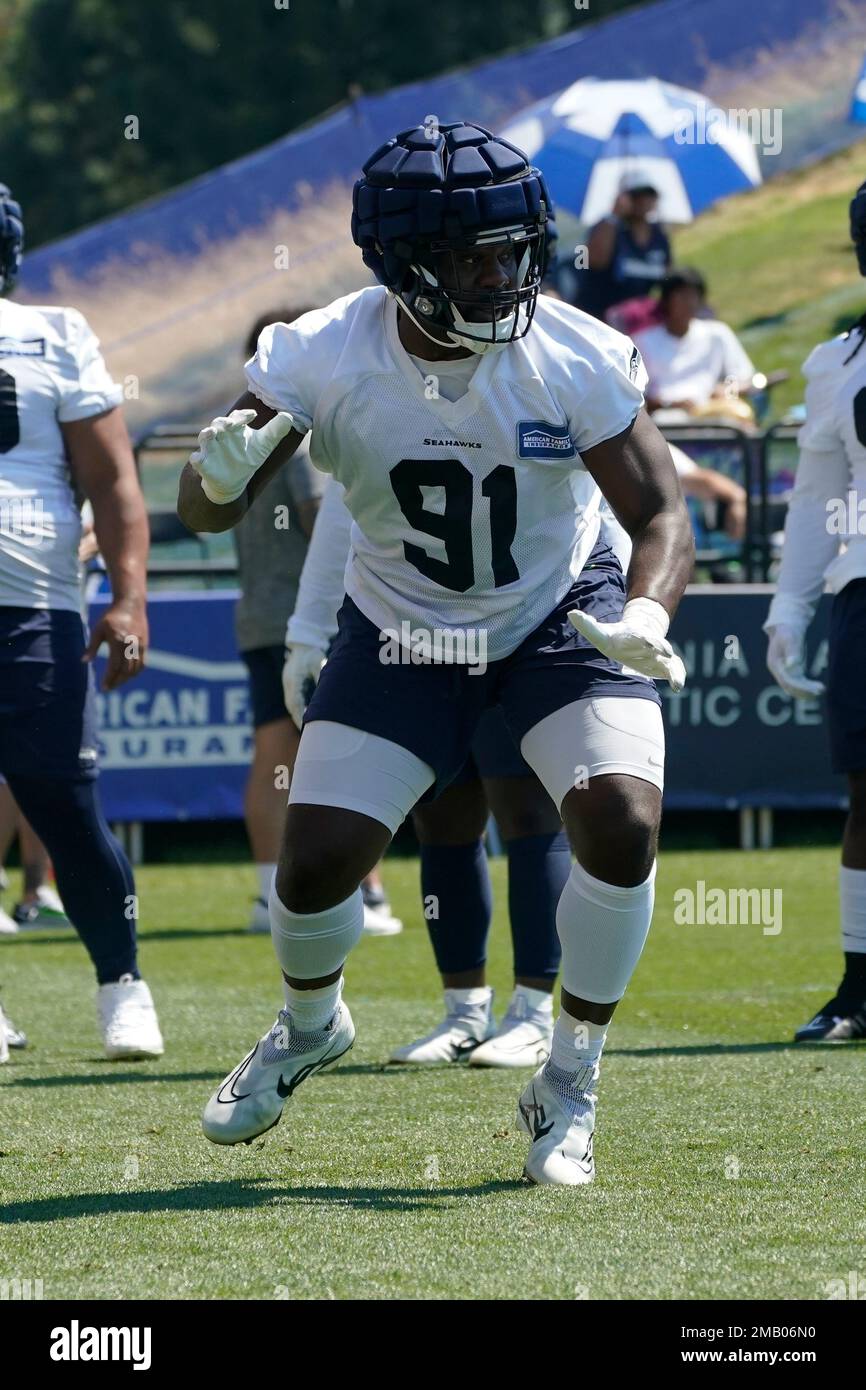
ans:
x=4 y=1041
x=8 y=925
x=522 y=1038
x=260 y=919
x=44 y=911
x=128 y=1020
x=561 y=1132
x=464 y=1027
x=250 y=1101
x=380 y=921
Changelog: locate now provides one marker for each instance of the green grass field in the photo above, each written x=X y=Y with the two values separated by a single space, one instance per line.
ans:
x=730 y=1164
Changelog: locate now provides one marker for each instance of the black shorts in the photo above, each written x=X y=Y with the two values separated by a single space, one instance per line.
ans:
x=265 y=665
x=846 y=679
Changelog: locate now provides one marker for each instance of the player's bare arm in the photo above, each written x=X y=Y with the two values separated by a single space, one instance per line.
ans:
x=635 y=472
x=103 y=466
x=196 y=510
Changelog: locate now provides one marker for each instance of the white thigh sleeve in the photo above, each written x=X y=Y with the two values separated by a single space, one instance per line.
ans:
x=341 y=766
x=590 y=738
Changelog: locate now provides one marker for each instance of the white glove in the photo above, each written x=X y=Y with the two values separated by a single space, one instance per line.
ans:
x=301 y=671
x=786 y=660
x=637 y=640
x=229 y=452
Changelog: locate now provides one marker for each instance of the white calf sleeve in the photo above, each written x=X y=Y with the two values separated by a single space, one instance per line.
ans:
x=341 y=766
x=311 y=945
x=602 y=928
x=852 y=901
x=590 y=738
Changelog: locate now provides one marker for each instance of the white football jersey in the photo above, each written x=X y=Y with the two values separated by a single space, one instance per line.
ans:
x=51 y=372
x=473 y=514
x=825 y=529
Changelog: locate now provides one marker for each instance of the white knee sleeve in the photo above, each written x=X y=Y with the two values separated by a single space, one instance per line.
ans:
x=311 y=945
x=340 y=766
x=592 y=737
x=602 y=928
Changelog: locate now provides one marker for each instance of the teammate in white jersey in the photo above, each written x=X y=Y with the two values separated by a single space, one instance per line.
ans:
x=473 y=581
x=825 y=546
x=61 y=434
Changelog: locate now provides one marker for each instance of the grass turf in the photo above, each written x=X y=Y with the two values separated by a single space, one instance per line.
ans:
x=730 y=1164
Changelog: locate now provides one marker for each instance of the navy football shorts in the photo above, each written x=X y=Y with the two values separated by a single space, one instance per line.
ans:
x=846 y=679
x=47 y=704
x=265 y=667
x=434 y=710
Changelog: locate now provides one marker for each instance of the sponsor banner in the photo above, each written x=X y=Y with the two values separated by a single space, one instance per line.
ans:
x=177 y=742
x=733 y=737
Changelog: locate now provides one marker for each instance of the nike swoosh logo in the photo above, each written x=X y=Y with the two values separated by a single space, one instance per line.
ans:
x=285 y=1088
x=235 y=1076
x=585 y=1163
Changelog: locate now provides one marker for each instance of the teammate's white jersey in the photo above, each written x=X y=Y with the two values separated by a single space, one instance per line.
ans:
x=51 y=372
x=468 y=514
x=832 y=465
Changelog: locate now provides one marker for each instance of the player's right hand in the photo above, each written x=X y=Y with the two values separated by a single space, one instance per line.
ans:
x=229 y=452
x=786 y=660
x=301 y=671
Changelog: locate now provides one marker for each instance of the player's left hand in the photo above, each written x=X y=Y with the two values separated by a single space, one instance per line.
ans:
x=123 y=627
x=229 y=452
x=638 y=640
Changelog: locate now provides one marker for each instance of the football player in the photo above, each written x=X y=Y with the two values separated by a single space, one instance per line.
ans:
x=62 y=432
x=474 y=534
x=825 y=544
x=455 y=881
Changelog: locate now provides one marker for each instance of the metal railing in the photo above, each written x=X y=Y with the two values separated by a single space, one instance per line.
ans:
x=764 y=516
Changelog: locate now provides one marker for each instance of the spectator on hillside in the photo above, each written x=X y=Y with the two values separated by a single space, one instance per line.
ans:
x=629 y=252
x=695 y=364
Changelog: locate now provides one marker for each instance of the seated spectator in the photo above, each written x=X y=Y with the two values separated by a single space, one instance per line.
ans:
x=696 y=365
x=709 y=485
x=629 y=252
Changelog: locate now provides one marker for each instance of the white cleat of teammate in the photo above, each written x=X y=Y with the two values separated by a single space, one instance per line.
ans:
x=523 y=1037
x=130 y=1028
x=250 y=1101
x=4 y=1041
x=561 y=1129
x=8 y=925
x=465 y=1026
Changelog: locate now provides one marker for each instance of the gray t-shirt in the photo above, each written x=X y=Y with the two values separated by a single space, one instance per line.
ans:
x=271 y=547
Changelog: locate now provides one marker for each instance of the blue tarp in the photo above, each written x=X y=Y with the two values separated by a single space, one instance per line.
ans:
x=688 y=42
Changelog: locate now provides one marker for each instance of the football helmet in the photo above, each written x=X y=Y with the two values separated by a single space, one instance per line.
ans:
x=436 y=194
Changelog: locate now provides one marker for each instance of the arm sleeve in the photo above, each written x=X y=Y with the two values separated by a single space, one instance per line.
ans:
x=613 y=399
x=84 y=383
x=822 y=473
x=321 y=588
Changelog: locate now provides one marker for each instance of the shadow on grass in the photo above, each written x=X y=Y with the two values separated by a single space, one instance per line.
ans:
x=57 y=936
x=244 y=1193
x=112 y=1077
x=723 y=1049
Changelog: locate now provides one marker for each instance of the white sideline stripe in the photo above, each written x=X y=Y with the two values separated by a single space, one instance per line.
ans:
x=194 y=666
